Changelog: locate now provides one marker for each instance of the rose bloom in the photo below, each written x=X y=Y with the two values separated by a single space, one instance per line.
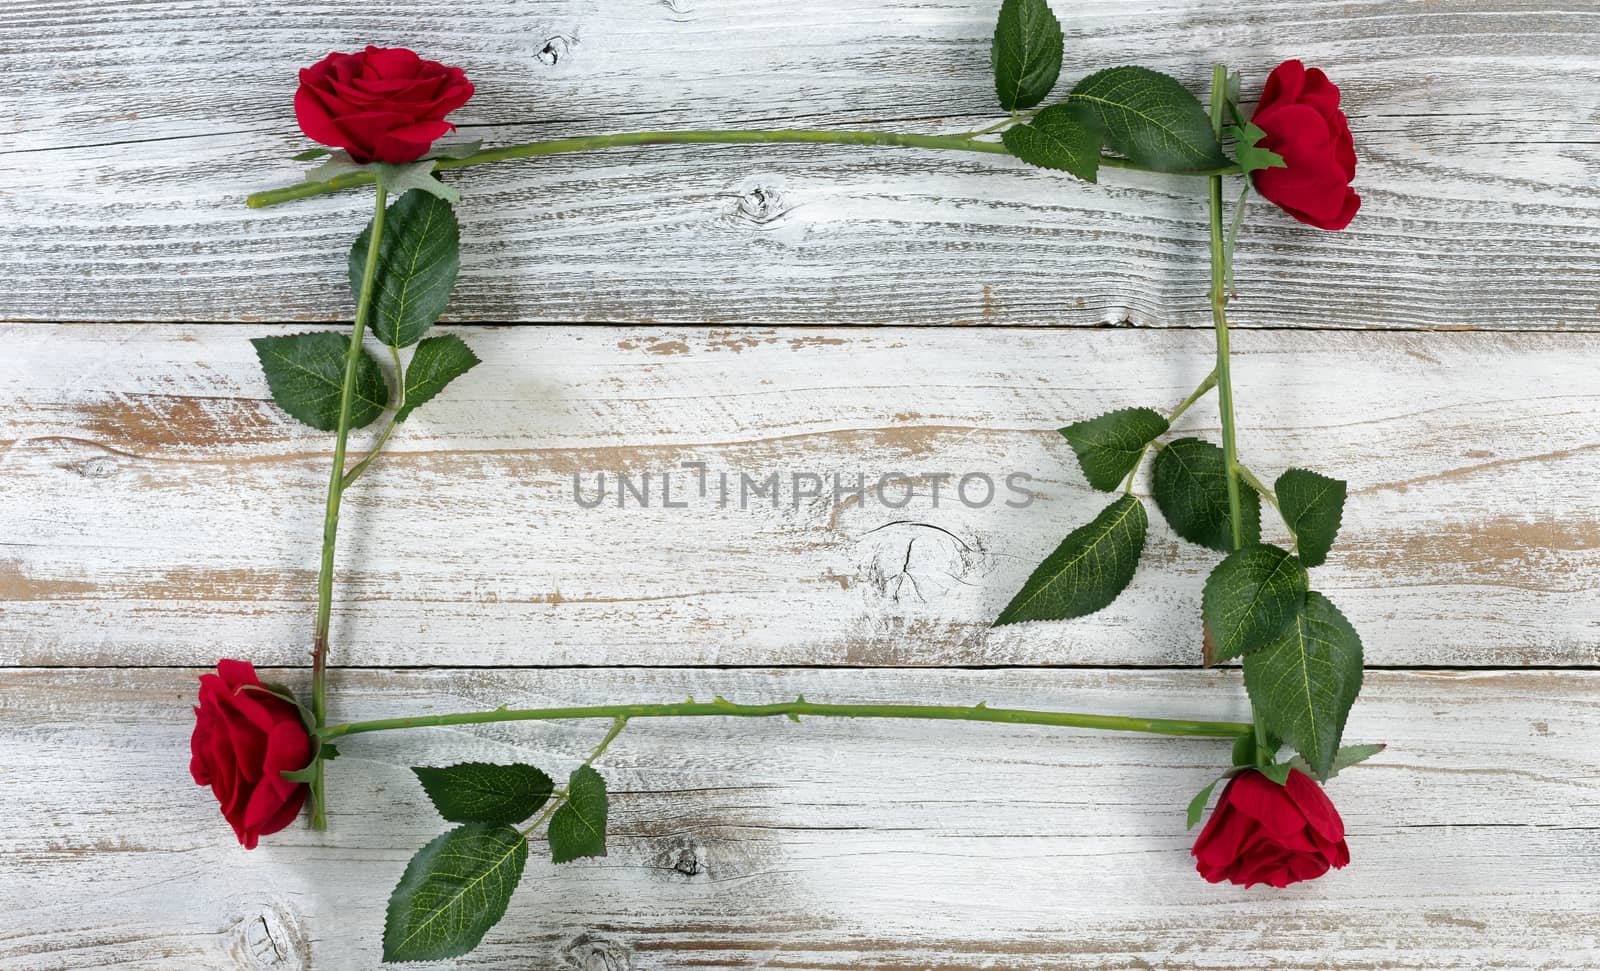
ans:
x=1262 y=832
x=1299 y=111
x=384 y=104
x=243 y=737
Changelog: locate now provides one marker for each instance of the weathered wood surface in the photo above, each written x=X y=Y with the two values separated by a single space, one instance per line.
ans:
x=156 y=509
x=824 y=845
x=135 y=129
x=158 y=505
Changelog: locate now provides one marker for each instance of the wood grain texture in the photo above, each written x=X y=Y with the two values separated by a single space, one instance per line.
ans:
x=825 y=845
x=158 y=505
x=136 y=128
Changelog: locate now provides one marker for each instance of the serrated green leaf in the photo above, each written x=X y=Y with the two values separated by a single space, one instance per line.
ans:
x=1249 y=599
x=453 y=891
x=1087 y=571
x=1026 y=53
x=1190 y=487
x=418 y=260
x=1057 y=138
x=306 y=375
x=438 y=361
x=1108 y=447
x=1347 y=756
x=1150 y=118
x=578 y=828
x=1197 y=805
x=1303 y=683
x=1313 y=506
x=482 y=792
x=1251 y=158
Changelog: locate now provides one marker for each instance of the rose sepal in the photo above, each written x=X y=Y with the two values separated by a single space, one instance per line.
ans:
x=397 y=178
x=325 y=752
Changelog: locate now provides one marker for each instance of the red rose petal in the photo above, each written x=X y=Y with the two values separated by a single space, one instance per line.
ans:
x=1320 y=93
x=411 y=142
x=1315 y=805
x=392 y=62
x=1299 y=111
x=1283 y=85
x=1265 y=801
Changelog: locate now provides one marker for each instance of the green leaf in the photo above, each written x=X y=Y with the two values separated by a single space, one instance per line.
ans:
x=1313 y=506
x=1026 y=53
x=417 y=265
x=1057 y=138
x=306 y=375
x=1190 y=487
x=481 y=792
x=1303 y=683
x=1249 y=599
x=1245 y=139
x=1108 y=447
x=1197 y=805
x=453 y=891
x=309 y=155
x=1150 y=118
x=1346 y=757
x=1087 y=571
x=578 y=828
x=438 y=361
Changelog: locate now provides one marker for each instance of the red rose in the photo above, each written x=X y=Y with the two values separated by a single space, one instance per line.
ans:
x=1262 y=832
x=243 y=737
x=384 y=104
x=1299 y=111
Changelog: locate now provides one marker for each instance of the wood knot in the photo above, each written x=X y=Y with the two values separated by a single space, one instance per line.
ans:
x=906 y=562
x=680 y=11
x=688 y=859
x=554 y=49
x=761 y=206
x=591 y=952
x=270 y=937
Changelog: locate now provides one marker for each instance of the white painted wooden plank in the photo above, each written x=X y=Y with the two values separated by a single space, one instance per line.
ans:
x=157 y=505
x=830 y=844
x=1474 y=119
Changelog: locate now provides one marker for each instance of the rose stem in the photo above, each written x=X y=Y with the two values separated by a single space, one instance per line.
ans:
x=1219 y=322
x=336 y=484
x=959 y=143
x=1176 y=413
x=798 y=707
x=616 y=729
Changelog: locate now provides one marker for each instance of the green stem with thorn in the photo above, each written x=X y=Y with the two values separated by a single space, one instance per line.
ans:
x=956 y=143
x=722 y=708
